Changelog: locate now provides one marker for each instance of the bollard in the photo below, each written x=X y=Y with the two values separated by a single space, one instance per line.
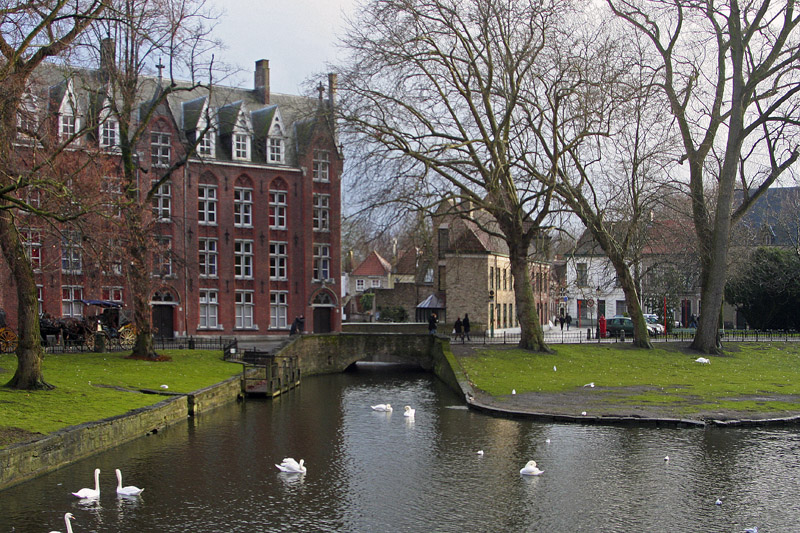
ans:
x=622 y=335
x=99 y=342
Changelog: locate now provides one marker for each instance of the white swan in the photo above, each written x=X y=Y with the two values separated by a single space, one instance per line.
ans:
x=130 y=490
x=67 y=518
x=384 y=407
x=409 y=411
x=480 y=452
x=291 y=466
x=703 y=360
x=91 y=493
x=530 y=469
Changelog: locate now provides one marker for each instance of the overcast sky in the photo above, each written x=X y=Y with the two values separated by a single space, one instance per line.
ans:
x=297 y=36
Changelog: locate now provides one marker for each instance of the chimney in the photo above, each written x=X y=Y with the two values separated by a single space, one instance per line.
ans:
x=262 y=80
x=331 y=89
x=107 y=56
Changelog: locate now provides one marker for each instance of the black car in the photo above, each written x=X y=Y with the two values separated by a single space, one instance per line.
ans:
x=619 y=323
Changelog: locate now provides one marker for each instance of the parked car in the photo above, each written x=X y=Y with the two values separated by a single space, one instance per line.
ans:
x=619 y=323
x=653 y=325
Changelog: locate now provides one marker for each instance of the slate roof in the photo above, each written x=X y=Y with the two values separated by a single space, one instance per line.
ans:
x=775 y=214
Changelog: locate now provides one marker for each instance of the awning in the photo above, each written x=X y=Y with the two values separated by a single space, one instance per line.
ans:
x=100 y=303
x=431 y=302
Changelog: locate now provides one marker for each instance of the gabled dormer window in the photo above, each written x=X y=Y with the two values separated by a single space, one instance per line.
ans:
x=109 y=133
x=67 y=126
x=321 y=169
x=241 y=146
x=206 y=145
x=26 y=118
x=275 y=149
x=68 y=115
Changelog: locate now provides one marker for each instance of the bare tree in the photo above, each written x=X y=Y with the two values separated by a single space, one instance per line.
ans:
x=729 y=73
x=442 y=95
x=32 y=32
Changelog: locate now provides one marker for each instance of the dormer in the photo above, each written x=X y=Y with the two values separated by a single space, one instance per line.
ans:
x=197 y=120
x=276 y=141
x=69 y=112
x=235 y=126
x=27 y=117
x=107 y=124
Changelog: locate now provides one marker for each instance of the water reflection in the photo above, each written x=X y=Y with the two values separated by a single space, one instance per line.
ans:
x=370 y=471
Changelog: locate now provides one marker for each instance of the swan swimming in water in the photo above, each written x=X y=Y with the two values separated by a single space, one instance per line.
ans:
x=530 y=469
x=409 y=411
x=291 y=466
x=67 y=518
x=383 y=407
x=91 y=493
x=130 y=490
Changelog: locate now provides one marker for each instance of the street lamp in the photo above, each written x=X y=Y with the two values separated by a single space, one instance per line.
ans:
x=491 y=312
x=597 y=300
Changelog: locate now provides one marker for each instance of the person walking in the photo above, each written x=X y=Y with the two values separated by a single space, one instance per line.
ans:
x=432 y=320
x=458 y=329
x=569 y=320
x=465 y=325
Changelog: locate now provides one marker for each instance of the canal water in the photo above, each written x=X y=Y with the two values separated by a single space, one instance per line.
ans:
x=379 y=472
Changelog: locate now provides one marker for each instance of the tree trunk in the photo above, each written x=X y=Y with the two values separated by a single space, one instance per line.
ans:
x=139 y=282
x=532 y=336
x=641 y=336
x=30 y=354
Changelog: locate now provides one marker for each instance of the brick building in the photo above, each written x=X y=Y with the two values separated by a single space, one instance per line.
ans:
x=247 y=233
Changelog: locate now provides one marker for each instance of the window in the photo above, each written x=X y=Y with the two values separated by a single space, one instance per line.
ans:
x=581 y=275
x=207 y=257
x=278 y=309
x=322 y=262
x=621 y=307
x=160 y=148
x=26 y=118
x=241 y=146
x=275 y=150
x=244 y=310
x=40 y=298
x=206 y=144
x=243 y=259
x=491 y=277
x=112 y=294
x=162 y=256
x=321 y=169
x=207 y=205
x=359 y=285
x=115 y=256
x=162 y=202
x=243 y=208
x=109 y=133
x=321 y=215
x=277 y=209
x=71 y=262
x=111 y=189
x=278 y=258
x=209 y=309
x=32 y=241
x=71 y=297
x=376 y=284
x=68 y=126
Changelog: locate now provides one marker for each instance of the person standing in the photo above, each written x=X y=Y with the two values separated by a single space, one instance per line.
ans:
x=432 y=320
x=458 y=329
x=465 y=325
x=569 y=320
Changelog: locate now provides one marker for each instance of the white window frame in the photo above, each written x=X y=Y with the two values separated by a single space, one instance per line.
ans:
x=376 y=283
x=360 y=285
x=321 y=165
x=243 y=259
x=278 y=260
x=242 y=207
x=71 y=252
x=67 y=125
x=208 y=257
x=71 y=306
x=241 y=146
x=162 y=202
x=208 y=309
x=322 y=262
x=32 y=241
x=109 y=134
x=278 y=309
x=277 y=209
x=112 y=294
x=321 y=219
x=160 y=148
x=206 y=146
x=245 y=310
x=40 y=298
x=275 y=152
x=207 y=205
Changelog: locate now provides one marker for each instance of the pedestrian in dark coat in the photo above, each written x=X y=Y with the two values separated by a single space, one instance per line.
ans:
x=465 y=325
x=432 y=320
x=458 y=329
x=569 y=320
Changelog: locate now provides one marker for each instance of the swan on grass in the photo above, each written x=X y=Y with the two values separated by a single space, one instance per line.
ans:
x=383 y=407
x=703 y=360
x=130 y=490
x=67 y=518
x=91 y=493
x=409 y=411
x=291 y=466
x=530 y=469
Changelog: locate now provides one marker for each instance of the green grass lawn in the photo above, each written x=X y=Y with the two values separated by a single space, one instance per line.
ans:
x=93 y=386
x=664 y=376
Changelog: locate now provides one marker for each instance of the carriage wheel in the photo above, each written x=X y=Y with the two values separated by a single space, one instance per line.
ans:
x=8 y=340
x=127 y=337
x=88 y=341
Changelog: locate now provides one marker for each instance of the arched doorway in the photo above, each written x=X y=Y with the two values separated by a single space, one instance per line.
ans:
x=163 y=307
x=323 y=305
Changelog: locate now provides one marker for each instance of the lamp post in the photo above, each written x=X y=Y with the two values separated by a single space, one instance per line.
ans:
x=598 y=313
x=491 y=313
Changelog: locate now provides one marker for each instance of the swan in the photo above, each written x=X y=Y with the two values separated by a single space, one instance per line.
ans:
x=67 y=518
x=91 y=493
x=590 y=385
x=130 y=490
x=703 y=360
x=291 y=466
x=530 y=469
x=384 y=407
x=409 y=411
x=513 y=391
x=480 y=452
